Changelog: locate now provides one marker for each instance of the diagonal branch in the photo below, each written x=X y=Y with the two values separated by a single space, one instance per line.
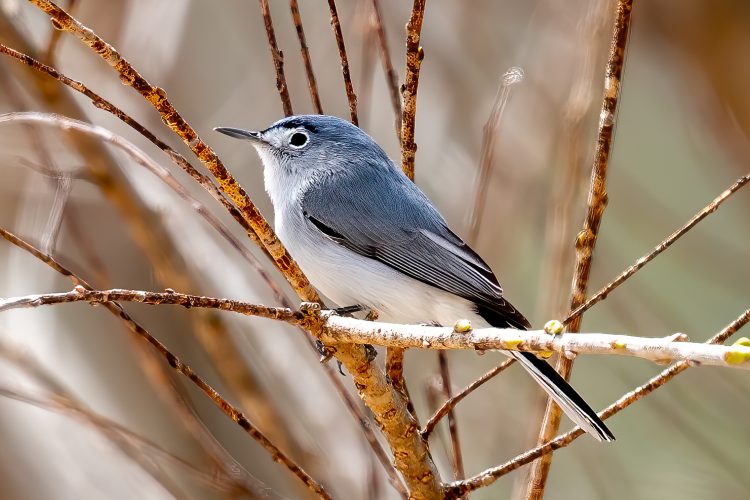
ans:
x=586 y=240
x=489 y=476
x=305 y=51
x=666 y=243
x=278 y=59
x=390 y=73
x=350 y=95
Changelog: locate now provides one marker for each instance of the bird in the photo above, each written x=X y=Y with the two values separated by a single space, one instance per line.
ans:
x=366 y=235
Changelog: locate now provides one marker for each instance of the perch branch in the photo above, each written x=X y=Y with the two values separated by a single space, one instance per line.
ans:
x=414 y=56
x=350 y=95
x=460 y=488
x=586 y=239
x=331 y=328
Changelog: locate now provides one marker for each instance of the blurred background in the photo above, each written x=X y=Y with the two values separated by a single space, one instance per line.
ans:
x=682 y=137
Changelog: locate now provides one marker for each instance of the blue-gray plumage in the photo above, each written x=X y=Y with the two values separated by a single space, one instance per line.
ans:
x=365 y=234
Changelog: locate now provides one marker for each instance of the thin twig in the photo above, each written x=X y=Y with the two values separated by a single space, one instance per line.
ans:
x=489 y=476
x=452 y=402
x=305 y=51
x=487 y=158
x=586 y=240
x=101 y=103
x=390 y=73
x=278 y=59
x=162 y=173
x=173 y=361
x=350 y=95
x=666 y=243
x=458 y=461
x=414 y=56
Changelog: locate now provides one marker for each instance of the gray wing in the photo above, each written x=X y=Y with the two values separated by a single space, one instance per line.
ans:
x=393 y=222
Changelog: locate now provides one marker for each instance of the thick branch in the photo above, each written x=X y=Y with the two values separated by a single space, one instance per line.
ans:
x=333 y=329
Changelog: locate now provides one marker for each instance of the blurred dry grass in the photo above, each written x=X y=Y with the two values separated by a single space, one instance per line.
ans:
x=682 y=137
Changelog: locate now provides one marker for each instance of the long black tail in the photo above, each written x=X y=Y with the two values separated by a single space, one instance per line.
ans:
x=564 y=395
x=546 y=376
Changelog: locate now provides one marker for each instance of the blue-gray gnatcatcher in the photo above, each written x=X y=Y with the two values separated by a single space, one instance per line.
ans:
x=366 y=235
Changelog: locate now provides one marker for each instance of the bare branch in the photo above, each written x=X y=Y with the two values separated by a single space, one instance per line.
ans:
x=414 y=56
x=452 y=402
x=278 y=59
x=385 y=58
x=586 y=240
x=489 y=476
x=666 y=243
x=350 y=95
x=305 y=51
x=458 y=461
x=333 y=329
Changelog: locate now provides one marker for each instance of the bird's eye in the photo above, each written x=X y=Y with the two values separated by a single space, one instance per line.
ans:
x=298 y=140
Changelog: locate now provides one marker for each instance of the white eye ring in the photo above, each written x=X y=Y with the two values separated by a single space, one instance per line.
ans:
x=298 y=135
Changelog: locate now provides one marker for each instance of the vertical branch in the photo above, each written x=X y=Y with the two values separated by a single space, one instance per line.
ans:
x=414 y=56
x=297 y=18
x=278 y=59
x=586 y=239
x=350 y=95
x=458 y=461
x=385 y=58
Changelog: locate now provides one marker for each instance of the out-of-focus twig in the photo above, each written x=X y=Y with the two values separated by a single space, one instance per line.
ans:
x=453 y=401
x=173 y=361
x=489 y=476
x=487 y=158
x=666 y=243
x=586 y=239
x=162 y=173
x=305 y=51
x=350 y=95
x=278 y=59
x=414 y=56
x=390 y=73
x=458 y=461
x=135 y=446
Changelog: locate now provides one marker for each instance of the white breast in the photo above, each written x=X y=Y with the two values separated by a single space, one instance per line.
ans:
x=349 y=279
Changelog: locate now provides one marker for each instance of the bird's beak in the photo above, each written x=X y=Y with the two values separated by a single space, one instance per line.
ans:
x=239 y=133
